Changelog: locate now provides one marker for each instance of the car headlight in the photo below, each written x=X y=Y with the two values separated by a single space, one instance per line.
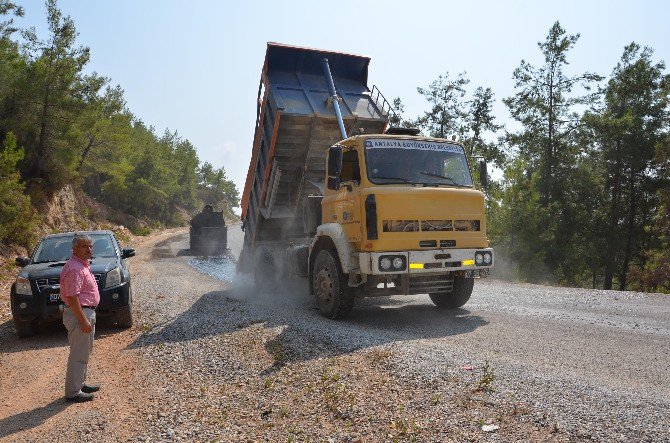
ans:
x=479 y=258
x=398 y=263
x=385 y=263
x=113 y=278
x=23 y=286
x=487 y=259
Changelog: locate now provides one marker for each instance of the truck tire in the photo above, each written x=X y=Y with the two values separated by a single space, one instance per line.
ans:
x=457 y=297
x=124 y=317
x=25 y=328
x=333 y=295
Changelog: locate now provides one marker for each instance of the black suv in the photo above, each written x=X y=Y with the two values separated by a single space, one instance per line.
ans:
x=35 y=295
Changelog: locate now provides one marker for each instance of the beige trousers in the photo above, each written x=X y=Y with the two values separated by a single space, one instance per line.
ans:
x=81 y=346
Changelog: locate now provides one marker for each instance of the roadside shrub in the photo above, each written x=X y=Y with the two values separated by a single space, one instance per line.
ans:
x=17 y=217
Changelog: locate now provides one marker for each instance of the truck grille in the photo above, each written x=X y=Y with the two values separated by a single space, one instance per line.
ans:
x=42 y=282
x=431 y=283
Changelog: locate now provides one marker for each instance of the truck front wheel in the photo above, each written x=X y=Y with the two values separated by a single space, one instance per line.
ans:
x=457 y=297
x=333 y=295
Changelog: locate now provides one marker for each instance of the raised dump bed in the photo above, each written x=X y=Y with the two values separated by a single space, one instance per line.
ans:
x=295 y=124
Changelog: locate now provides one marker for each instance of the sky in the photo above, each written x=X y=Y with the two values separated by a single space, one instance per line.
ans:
x=194 y=67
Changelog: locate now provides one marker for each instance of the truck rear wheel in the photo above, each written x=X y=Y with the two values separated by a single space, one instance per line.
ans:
x=457 y=297
x=333 y=295
x=265 y=269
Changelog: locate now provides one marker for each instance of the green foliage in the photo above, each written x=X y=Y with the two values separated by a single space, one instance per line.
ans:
x=485 y=383
x=7 y=26
x=447 y=113
x=214 y=186
x=627 y=127
x=543 y=222
x=17 y=218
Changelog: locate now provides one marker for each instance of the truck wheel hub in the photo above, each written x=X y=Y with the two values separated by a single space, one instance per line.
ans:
x=323 y=285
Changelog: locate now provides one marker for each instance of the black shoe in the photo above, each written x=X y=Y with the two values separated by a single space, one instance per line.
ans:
x=89 y=389
x=80 y=398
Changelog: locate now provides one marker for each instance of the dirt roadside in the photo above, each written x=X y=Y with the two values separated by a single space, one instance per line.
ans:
x=33 y=407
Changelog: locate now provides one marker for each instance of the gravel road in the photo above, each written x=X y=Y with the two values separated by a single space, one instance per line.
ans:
x=212 y=358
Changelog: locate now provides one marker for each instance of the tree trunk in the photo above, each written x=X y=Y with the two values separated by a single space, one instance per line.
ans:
x=614 y=211
x=41 y=144
x=630 y=234
x=84 y=154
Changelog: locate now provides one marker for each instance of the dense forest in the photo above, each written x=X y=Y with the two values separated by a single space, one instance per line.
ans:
x=60 y=125
x=584 y=198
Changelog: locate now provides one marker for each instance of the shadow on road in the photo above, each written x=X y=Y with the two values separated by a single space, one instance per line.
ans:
x=50 y=335
x=30 y=419
x=304 y=334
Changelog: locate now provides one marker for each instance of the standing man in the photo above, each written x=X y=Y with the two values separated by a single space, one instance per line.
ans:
x=79 y=292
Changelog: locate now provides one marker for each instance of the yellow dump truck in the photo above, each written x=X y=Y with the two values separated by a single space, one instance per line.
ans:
x=382 y=212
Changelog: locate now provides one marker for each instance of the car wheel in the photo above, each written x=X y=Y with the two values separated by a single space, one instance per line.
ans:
x=25 y=328
x=333 y=295
x=124 y=317
x=457 y=297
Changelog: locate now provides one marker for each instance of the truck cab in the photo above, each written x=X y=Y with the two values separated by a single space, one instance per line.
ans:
x=404 y=217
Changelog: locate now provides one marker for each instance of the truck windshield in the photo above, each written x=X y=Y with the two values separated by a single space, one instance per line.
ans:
x=416 y=161
x=56 y=249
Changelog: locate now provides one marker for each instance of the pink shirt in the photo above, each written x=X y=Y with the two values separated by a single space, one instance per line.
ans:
x=76 y=280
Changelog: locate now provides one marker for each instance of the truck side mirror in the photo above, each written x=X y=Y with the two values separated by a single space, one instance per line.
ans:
x=334 y=161
x=483 y=174
x=128 y=252
x=333 y=183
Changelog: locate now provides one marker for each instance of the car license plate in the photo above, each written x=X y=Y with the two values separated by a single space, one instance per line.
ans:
x=54 y=298
x=475 y=273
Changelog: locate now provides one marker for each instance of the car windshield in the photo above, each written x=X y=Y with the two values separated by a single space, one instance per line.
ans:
x=56 y=249
x=418 y=162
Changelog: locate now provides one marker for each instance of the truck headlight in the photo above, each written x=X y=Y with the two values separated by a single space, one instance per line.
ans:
x=113 y=278
x=23 y=286
x=483 y=258
x=395 y=263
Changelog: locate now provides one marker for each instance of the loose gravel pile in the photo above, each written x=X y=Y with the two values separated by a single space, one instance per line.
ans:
x=234 y=364
x=245 y=365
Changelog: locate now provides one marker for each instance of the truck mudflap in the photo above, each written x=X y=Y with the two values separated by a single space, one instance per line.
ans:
x=473 y=262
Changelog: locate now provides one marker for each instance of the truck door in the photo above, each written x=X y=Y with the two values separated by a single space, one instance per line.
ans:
x=348 y=200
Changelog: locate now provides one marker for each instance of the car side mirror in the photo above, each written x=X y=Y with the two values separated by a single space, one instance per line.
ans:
x=483 y=174
x=22 y=261
x=128 y=252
